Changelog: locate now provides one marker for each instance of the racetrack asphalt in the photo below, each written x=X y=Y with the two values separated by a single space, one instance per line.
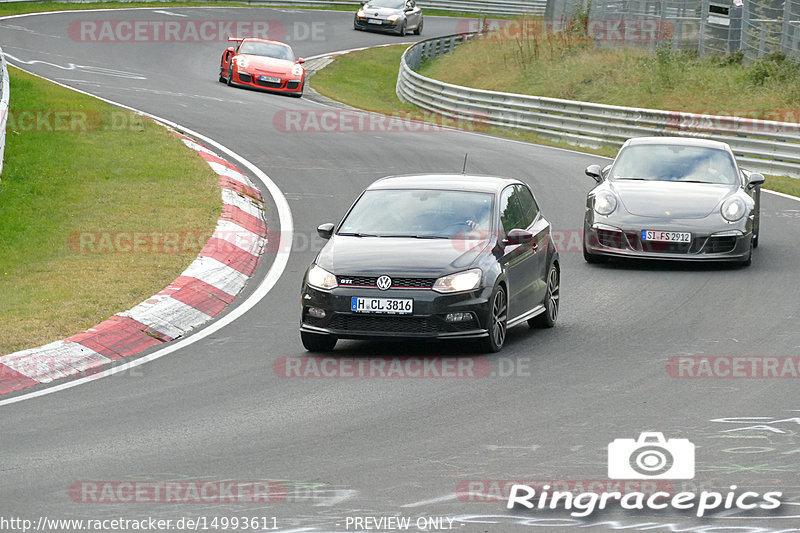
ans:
x=219 y=410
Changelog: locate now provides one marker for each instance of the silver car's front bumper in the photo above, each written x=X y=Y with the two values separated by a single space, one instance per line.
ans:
x=723 y=244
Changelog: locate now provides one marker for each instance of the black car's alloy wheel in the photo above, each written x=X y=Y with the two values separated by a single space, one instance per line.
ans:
x=498 y=317
x=317 y=343
x=551 y=301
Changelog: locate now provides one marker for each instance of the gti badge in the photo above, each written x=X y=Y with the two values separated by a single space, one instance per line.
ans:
x=384 y=282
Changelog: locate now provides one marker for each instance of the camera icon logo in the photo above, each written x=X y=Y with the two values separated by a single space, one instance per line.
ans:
x=651 y=457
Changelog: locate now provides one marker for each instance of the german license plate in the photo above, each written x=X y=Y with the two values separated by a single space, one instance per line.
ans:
x=375 y=21
x=386 y=306
x=269 y=79
x=666 y=236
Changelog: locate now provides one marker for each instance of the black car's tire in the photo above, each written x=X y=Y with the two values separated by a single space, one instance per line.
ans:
x=402 y=31
x=755 y=240
x=551 y=301
x=314 y=342
x=418 y=31
x=497 y=324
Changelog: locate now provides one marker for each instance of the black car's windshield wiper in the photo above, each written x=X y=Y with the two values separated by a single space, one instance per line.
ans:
x=356 y=234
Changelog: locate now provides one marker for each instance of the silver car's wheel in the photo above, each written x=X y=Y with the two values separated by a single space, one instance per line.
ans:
x=498 y=316
x=419 y=29
x=551 y=301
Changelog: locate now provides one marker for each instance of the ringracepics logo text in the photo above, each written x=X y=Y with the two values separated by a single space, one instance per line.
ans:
x=650 y=457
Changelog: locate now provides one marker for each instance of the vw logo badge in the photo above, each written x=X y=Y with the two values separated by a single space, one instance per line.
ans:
x=384 y=282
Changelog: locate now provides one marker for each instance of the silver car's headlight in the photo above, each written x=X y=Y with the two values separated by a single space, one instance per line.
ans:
x=733 y=209
x=360 y=14
x=321 y=279
x=463 y=281
x=394 y=18
x=605 y=202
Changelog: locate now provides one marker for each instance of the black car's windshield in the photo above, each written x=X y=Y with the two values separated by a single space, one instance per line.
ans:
x=257 y=48
x=665 y=162
x=394 y=4
x=420 y=213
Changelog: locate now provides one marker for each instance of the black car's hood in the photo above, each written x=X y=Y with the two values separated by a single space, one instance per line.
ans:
x=675 y=199
x=346 y=255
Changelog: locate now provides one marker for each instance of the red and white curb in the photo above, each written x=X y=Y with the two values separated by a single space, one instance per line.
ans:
x=203 y=290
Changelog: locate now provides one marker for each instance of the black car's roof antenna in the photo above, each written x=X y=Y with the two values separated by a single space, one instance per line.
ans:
x=464 y=170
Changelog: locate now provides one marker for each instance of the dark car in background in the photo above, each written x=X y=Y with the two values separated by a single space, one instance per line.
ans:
x=433 y=257
x=672 y=198
x=398 y=16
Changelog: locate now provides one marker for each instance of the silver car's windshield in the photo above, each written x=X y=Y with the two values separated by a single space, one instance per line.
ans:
x=666 y=162
x=420 y=213
x=257 y=48
x=393 y=4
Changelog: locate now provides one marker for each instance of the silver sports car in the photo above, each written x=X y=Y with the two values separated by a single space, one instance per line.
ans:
x=672 y=198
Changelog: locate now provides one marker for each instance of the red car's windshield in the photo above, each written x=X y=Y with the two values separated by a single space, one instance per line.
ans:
x=258 y=48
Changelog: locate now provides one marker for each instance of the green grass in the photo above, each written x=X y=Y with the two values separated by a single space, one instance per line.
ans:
x=571 y=68
x=109 y=171
x=377 y=69
x=18 y=8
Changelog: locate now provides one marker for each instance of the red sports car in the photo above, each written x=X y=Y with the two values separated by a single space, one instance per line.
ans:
x=263 y=64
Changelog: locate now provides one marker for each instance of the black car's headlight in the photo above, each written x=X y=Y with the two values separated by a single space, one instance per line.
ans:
x=733 y=209
x=605 y=202
x=320 y=278
x=468 y=280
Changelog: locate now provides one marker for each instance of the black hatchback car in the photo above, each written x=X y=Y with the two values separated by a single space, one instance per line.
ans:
x=433 y=256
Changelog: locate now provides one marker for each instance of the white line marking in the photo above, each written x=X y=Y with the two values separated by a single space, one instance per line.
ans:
x=440 y=499
x=269 y=281
x=163 y=12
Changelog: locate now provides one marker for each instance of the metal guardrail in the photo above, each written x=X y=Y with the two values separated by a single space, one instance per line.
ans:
x=484 y=7
x=5 y=94
x=487 y=7
x=764 y=146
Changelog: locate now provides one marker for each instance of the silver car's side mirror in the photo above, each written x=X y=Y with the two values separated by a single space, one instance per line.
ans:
x=325 y=230
x=594 y=171
x=755 y=179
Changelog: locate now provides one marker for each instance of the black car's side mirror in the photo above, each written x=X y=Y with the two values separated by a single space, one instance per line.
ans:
x=518 y=236
x=325 y=230
x=755 y=179
x=594 y=171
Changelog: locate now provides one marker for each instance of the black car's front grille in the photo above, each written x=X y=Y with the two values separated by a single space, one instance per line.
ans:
x=719 y=245
x=386 y=324
x=397 y=324
x=401 y=283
